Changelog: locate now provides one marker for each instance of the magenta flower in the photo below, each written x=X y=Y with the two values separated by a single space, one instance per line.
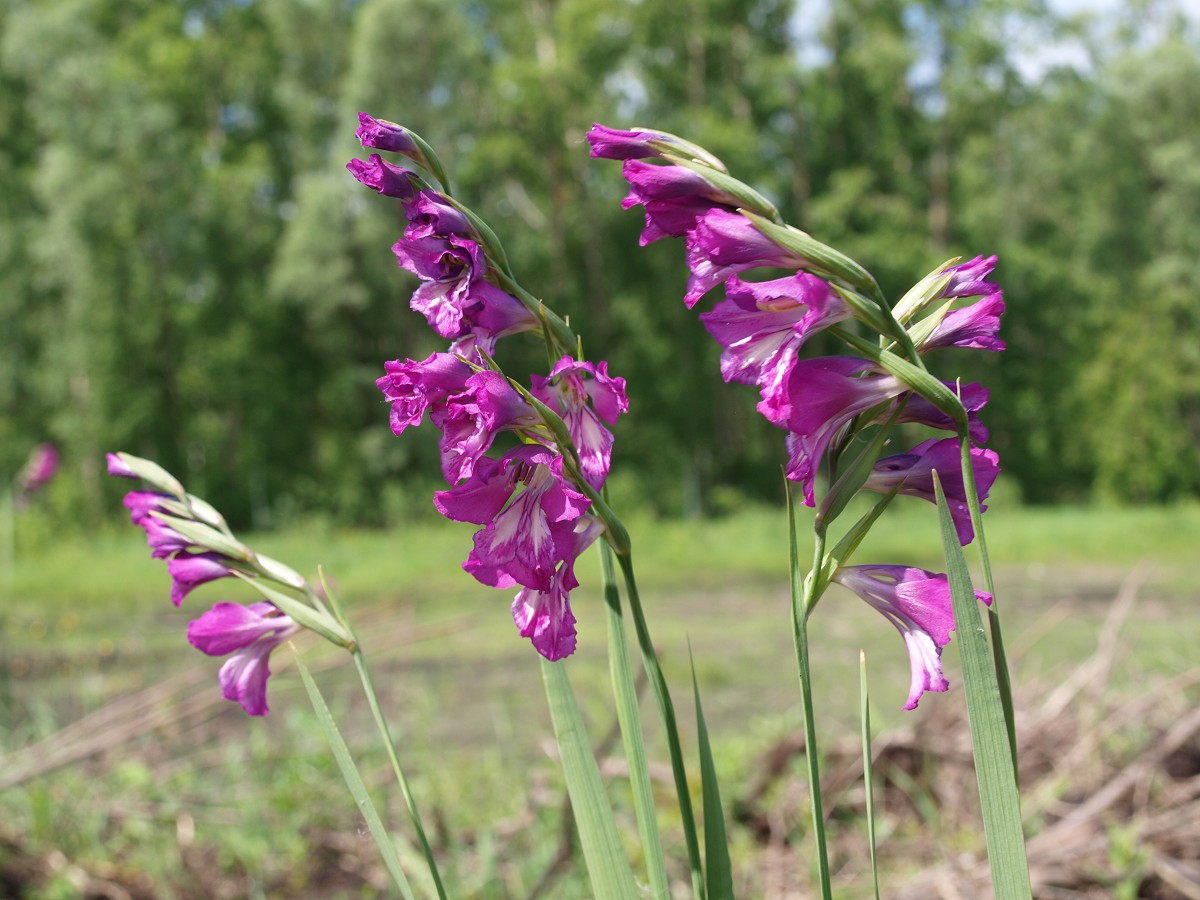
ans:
x=529 y=513
x=918 y=603
x=190 y=570
x=118 y=467
x=762 y=325
x=471 y=419
x=820 y=397
x=976 y=326
x=413 y=387
x=673 y=197
x=913 y=471
x=163 y=540
x=431 y=215
x=385 y=177
x=544 y=616
x=612 y=143
x=250 y=633
x=920 y=411
x=568 y=390
x=969 y=279
x=37 y=471
x=454 y=295
x=380 y=134
x=724 y=243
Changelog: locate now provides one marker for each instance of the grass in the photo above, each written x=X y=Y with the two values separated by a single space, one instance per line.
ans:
x=185 y=802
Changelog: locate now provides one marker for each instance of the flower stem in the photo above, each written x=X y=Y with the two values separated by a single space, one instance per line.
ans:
x=666 y=710
x=360 y=663
x=803 y=598
x=625 y=693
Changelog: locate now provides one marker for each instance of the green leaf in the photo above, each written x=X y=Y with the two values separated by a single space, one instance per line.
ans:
x=301 y=613
x=718 y=871
x=864 y=700
x=603 y=854
x=625 y=694
x=994 y=765
x=354 y=781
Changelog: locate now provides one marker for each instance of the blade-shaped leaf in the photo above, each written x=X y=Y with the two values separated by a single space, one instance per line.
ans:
x=998 y=793
x=718 y=871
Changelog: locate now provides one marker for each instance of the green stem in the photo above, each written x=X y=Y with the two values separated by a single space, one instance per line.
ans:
x=625 y=693
x=803 y=599
x=666 y=710
x=360 y=663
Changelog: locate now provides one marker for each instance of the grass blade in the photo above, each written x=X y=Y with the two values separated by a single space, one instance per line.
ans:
x=718 y=871
x=868 y=764
x=354 y=781
x=994 y=766
x=625 y=694
x=603 y=854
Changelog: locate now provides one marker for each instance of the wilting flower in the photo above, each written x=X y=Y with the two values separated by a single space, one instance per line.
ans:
x=471 y=419
x=918 y=603
x=250 y=633
x=385 y=177
x=724 y=243
x=568 y=390
x=913 y=471
x=975 y=327
x=762 y=325
x=820 y=396
x=190 y=570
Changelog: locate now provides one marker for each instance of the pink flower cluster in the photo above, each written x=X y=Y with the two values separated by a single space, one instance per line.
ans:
x=762 y=326
x=530 y=502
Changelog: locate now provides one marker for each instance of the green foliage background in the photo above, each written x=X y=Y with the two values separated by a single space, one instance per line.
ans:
x=188 y=273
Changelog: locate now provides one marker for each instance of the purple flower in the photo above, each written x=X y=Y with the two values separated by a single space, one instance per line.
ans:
x=190 y=570
x=612 y=143
x=820 y=396
x=470 y=420
x=913 y=471
x=724 y=243
x=118 y=466
x=413 y=387
x=384 y=177
x=918 y=603
x=919 y=411
x=969 y=279
x=544 y=616
x=250 y=633
x=163 y=540
x=762 y=325
x=674 y=198
x=454 y=295
x=430 y=215
x=529 y=514
x=975 y=326
x=39 y=469
x=567 y=390
x=380 y=134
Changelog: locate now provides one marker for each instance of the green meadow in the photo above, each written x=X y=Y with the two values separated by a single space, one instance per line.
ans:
x=120 y=764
